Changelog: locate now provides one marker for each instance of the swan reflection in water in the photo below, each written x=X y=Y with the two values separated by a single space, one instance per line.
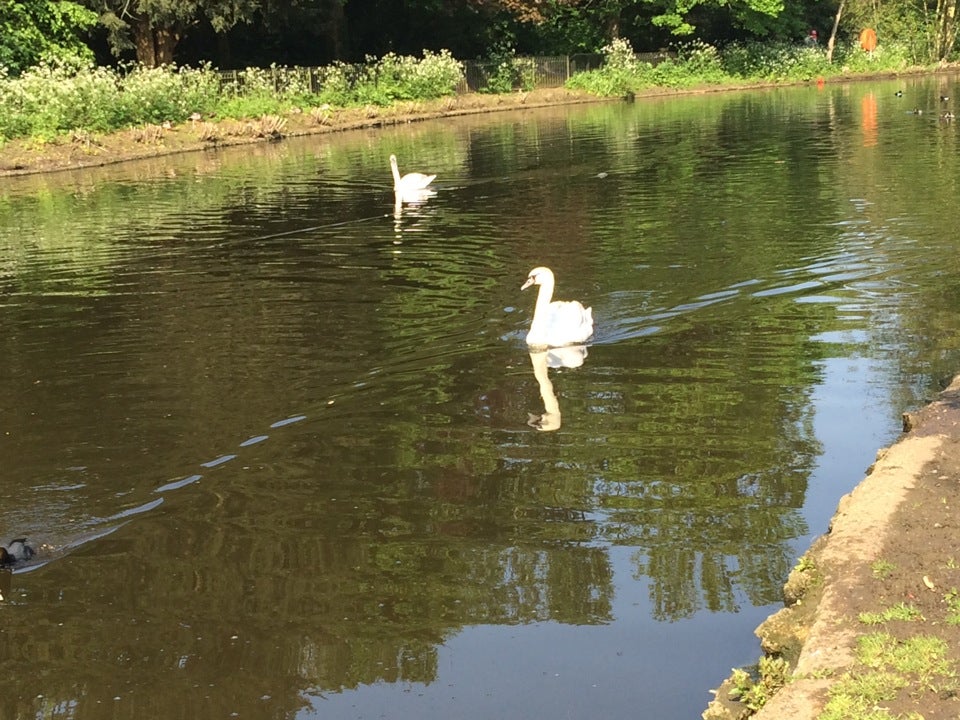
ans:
x=570 y=356
x=410 y=197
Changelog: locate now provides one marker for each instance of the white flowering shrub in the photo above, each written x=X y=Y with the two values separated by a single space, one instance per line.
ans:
x=155 y=95
x=402 y=77
x=619 y=56
x=336 y=84
x=49 y=99
x=622 y=72
x=774 y=61
x=390 y=78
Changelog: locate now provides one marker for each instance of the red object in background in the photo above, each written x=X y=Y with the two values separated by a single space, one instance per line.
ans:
x=868 y=39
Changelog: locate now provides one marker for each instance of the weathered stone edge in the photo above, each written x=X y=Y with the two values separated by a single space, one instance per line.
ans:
x=811 y=631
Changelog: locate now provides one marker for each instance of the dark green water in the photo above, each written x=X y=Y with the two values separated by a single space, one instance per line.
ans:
x=277 y=435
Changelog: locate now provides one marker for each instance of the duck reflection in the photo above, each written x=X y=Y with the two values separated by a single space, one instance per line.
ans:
x=571 y=356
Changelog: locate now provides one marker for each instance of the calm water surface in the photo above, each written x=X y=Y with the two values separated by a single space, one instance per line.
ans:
x=290 y=456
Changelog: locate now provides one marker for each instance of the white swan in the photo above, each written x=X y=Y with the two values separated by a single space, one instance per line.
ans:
x=410 y=183
x=559 y=322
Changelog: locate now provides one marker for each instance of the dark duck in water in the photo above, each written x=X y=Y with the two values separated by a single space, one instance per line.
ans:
x=17 y=551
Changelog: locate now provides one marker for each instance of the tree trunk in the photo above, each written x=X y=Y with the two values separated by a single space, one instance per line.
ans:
x=613 y=27
x=946 y=29
x=611 y=20
x=143 y=41
x=833 y=33
x=154 y=46
x=165 y=41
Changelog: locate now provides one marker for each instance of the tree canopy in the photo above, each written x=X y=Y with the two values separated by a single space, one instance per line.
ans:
x=32 y=31
x=239 y=33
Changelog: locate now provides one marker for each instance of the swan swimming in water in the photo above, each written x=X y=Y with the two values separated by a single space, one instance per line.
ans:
x=559 y=322
x=410 y=183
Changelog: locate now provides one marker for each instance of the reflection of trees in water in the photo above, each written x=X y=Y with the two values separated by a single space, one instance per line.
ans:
x=357 y=544
x=233 y=606
x=703 y=470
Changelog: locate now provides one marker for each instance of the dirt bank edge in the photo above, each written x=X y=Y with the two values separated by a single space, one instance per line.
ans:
x=817 y=630
x=80 y=150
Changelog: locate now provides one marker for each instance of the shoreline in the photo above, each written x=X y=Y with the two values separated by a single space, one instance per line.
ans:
x=84 y=150
x=80 y=149
x=888 y=545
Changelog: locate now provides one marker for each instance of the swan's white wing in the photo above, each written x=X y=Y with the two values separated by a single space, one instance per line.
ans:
x=569 y=322
x=415 y=181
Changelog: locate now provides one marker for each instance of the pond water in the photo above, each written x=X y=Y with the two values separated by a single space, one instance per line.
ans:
x=289 y=456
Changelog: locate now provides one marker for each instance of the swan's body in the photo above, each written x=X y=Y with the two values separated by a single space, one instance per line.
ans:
x=556 y=322
x=409 y=184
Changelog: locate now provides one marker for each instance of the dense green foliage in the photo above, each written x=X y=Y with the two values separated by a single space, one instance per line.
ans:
x=240 y=33
x=32 y=31
x=49 y=86
x=55 y=98
x=51 y=99
x=697 y=63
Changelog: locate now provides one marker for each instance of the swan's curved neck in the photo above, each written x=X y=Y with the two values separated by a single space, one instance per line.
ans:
x=396 y=172
x=544 y=296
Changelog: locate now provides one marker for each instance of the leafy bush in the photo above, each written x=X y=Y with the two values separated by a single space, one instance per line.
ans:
x=70 y=95
x=622 y=72
x=336 y=84
x=888 y=56
x=391 y=78
x=508 y=74
x=699 y=63
x=153 y=95
x=775 y=61
x=49 y=99
x=407 y=78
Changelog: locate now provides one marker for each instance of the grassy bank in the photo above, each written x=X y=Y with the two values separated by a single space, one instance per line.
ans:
x=49 y=102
